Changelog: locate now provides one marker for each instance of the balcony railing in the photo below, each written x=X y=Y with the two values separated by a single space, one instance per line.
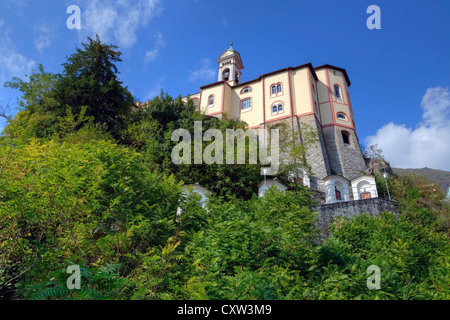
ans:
x=334 y=199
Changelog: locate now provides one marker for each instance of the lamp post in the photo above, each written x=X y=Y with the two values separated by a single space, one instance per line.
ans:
x=264 y=188
x=384 y=169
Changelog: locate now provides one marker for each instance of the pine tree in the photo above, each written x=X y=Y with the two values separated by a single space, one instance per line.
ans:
x=90 y=79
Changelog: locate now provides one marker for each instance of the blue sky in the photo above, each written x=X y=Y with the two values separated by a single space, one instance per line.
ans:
x=400 y=74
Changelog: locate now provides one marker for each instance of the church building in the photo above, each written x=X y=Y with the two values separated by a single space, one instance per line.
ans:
x=301 y=96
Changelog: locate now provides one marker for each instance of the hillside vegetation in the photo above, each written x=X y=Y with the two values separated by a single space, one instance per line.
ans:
x=86 y=181
x=440 y=176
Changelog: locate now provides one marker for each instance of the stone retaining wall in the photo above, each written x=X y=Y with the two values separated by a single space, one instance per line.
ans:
x=328 y=213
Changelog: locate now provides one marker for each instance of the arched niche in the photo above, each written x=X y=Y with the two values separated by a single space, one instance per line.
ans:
x=364 y=187
x=337 y=189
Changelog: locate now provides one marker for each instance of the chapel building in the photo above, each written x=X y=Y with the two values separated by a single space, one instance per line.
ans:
x=302 y=96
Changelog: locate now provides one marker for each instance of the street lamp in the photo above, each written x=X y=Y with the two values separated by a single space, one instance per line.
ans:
x=384 y=169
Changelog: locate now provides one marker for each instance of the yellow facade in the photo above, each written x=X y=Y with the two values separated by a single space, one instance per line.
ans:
x=304 y=91
x=253 y=116
x=275 y=96
x=298 y=96
x=216 y=107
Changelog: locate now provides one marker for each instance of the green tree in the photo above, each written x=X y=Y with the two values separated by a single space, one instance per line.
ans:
x=294 y=147
x=93 y=203
x=38 y=95
x=413 y=260
x=90 y=79
x=149 y=130
x=421 y=201
x=244 y=249
x=38 y=106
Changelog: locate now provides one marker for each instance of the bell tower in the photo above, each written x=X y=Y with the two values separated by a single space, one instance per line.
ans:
x=230 y=66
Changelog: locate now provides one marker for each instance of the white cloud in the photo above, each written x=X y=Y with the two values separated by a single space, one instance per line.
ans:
x=428 y=145
x=159 y=39
x=205 y=72
x=151 y=55
x=117 y=21
x=12 y=63
x=155 y=90
x=46 y=35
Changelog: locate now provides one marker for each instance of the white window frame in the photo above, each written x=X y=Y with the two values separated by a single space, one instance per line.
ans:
x=209 y=100
x=248 y=108
x=247 y=90
x=277 y=105
x=273 y=94
x=276 y=86
x=338 y=93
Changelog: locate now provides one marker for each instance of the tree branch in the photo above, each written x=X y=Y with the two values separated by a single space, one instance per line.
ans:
x=4 y=112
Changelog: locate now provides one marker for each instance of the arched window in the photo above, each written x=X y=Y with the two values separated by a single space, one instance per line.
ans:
x=226 y=74
x=211 y=100
x=246 y=89
x=246 y=104
x=276 y=90
x=196 y=102
x=337 y=194
x=337 y=91
x=342 y=116
x=346 y=137
x=277 y=108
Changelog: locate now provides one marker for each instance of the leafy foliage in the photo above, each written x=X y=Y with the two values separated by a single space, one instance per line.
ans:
x=90 y=79
x=150 y=130
x=440 y=176
x=38 y=95
x=99 y=283
x=413 y=260
x=294 y=148
x=84 y=181
x=90 y=203
x=88 y=90
x=421 y=201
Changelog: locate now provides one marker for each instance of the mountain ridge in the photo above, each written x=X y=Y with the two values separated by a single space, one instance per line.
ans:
x=440 y=176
